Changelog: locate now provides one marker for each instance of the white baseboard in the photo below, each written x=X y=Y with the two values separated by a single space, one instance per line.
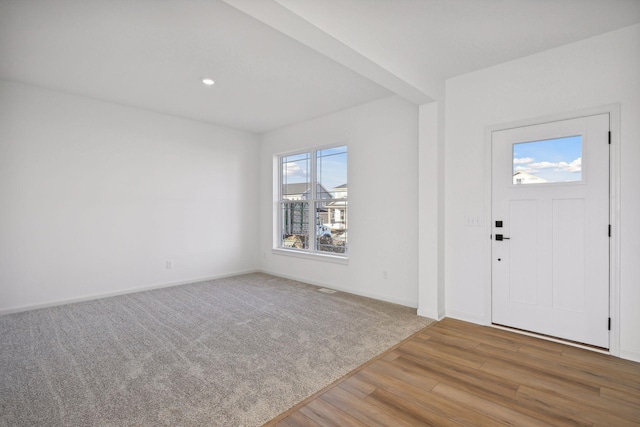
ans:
x=399 y=301
x=634 y=356
x=54 y=303
x=466 y=317
x=430 y=314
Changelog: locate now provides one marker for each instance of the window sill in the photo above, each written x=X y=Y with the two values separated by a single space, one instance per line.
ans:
x=311 y=256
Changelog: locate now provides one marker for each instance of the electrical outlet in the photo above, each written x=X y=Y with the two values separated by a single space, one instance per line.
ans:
x=385 y=274
x=169 y=264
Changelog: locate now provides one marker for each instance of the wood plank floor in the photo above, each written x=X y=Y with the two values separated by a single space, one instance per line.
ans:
x=456 y=373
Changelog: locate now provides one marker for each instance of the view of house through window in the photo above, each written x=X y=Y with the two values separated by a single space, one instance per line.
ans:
x=313 y=191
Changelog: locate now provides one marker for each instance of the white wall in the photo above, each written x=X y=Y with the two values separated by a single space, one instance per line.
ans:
x=95 y=197
x=431 y=293
x=594 y=72
x=382 y=137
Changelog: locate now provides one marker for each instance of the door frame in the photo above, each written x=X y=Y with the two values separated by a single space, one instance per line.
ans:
x=614 y=209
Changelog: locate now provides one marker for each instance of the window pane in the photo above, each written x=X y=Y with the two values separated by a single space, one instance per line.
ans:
x=551 y=160
x=295 y=225
x=313 y=201
x=332 y=173
x=296 y=177
x=331 y=226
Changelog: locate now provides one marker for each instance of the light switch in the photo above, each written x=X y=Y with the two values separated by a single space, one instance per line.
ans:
x=473 y=221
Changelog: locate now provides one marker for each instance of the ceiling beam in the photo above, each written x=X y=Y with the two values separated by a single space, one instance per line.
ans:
x=284 y=20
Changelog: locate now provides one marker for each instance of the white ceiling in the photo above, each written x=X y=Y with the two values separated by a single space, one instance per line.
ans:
x=153 y=54
x=425 y=42
x=277 y=62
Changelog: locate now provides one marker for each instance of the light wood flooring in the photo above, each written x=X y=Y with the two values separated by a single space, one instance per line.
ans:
x=456 y=373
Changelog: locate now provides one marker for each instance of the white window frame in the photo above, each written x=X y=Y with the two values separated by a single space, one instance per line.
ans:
x=311 y=252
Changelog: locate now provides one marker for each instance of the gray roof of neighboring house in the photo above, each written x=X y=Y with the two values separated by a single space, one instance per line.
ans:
x=297 y=188
x=301 y=188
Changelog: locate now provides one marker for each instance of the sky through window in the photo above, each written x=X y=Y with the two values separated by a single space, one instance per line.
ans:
x=551 y=160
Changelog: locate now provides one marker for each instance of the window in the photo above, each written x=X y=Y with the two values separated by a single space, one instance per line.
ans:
x=546 y=161
x=313 y=190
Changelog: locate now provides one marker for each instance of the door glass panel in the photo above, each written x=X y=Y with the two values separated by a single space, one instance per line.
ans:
x=547 y=161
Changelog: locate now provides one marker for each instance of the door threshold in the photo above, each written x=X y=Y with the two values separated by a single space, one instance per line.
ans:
x=584 y=346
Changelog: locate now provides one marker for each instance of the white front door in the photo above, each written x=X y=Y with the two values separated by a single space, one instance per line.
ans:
x=550 y=229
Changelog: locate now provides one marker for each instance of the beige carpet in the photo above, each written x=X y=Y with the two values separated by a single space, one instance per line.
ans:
x=228 y=352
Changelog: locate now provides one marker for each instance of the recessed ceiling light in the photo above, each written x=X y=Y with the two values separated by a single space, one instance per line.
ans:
x=208 y=81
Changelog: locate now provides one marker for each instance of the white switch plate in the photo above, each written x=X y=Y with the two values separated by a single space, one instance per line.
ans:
x=473 y=220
